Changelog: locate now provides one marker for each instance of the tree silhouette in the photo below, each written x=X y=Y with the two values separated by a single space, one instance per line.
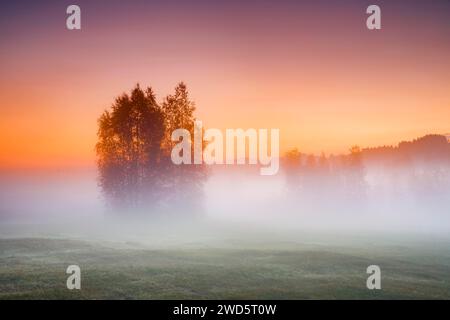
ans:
x=128 y=148
x=355 y=181
x=186 y=182
x=178 y=113
x=133 y=149
x=291 y=164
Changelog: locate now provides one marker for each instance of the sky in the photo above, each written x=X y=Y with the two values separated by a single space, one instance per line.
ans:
x=310 y=68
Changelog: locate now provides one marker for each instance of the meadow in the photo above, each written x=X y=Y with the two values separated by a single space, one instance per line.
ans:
x=312 y=267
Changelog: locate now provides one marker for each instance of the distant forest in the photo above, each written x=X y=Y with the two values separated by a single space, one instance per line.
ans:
x=414 y=173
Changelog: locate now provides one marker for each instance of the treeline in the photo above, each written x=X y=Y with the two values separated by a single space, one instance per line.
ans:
x=415 y=172
x=325 y=181
x=133 y=151
x=430 y=149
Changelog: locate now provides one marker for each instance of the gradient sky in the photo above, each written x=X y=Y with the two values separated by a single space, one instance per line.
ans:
x=310 y=68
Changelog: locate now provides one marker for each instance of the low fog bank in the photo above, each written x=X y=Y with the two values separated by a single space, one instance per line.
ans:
x=324 y=204
x=237 y=202
x=49 y=196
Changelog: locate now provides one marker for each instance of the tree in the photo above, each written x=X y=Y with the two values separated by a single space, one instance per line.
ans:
x=128 y=149
x=178 y=113
x=185 y=181
x=292 y=165
x=324 y=164
x=355 y=174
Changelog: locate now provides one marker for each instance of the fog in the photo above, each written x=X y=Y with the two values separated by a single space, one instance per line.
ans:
x=237 y=202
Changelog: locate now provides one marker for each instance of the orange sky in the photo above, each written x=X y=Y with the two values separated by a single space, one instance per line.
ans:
x=312 y=70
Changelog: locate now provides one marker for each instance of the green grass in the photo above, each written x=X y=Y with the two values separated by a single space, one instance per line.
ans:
x=34 y=268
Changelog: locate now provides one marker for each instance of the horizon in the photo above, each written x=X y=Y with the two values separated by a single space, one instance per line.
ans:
x=93 y=166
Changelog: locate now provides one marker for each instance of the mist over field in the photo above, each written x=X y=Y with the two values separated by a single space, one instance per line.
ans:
x=392 y=198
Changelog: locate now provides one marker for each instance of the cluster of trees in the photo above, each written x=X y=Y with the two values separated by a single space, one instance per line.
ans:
x=321 y=181
x=133 y=151
x=417 y=172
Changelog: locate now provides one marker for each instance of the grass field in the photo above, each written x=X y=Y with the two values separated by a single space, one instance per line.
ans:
x=34 y=268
